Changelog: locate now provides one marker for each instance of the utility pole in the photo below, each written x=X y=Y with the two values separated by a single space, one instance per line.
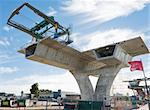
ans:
x=146 y=90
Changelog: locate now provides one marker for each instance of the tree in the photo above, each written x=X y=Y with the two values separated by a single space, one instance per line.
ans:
x=35 y=90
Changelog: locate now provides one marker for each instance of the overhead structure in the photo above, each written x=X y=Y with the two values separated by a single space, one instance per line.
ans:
x=47 y=24
x=104 y=62
x=135 y=85
x=137 y=80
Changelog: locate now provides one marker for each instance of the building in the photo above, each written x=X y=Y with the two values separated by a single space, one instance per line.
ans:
x=73 y=97
x=48 y=94
x=2 y=95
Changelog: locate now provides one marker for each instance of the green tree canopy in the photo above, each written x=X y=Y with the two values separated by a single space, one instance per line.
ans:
x=35 y=89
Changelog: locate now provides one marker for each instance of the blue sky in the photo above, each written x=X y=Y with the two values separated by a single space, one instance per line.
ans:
x=95 y=23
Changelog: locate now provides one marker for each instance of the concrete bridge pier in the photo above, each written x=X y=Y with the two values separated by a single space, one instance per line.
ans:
x=105 y=81
x=104 y=62
x=84 y=83
x=106 y=77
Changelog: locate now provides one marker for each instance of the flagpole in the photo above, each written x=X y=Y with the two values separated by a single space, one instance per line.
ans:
x=146 y=88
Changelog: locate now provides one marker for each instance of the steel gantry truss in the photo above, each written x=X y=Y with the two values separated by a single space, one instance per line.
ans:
x=41 y=28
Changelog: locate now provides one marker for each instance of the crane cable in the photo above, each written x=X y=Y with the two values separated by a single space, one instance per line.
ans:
x=29 y=19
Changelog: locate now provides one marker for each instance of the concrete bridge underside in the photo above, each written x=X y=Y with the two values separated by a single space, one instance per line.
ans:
x=104 y=62
x=105 y=76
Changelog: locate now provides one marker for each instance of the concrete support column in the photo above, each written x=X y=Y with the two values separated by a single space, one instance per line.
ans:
x=86 y=88
x=104 y=83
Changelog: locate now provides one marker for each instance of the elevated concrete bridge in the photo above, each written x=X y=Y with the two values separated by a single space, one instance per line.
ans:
x=104 y=62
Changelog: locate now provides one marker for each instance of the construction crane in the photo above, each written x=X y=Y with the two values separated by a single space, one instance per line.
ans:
x=134 y=85
x=46 y=25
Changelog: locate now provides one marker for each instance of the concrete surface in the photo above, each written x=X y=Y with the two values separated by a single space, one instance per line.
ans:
x=83 y=64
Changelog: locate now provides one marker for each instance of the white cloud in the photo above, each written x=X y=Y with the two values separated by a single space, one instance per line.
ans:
x=6 y=70
x=65 y=82
x=51 y=11
x=103 y=10
x=16 y=89
x=4 y=42
x=93 y=80
x=102 y=38
x=5 y=57
x=7 y=28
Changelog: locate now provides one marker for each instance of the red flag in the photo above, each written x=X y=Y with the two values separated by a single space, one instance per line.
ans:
x=136 y=65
